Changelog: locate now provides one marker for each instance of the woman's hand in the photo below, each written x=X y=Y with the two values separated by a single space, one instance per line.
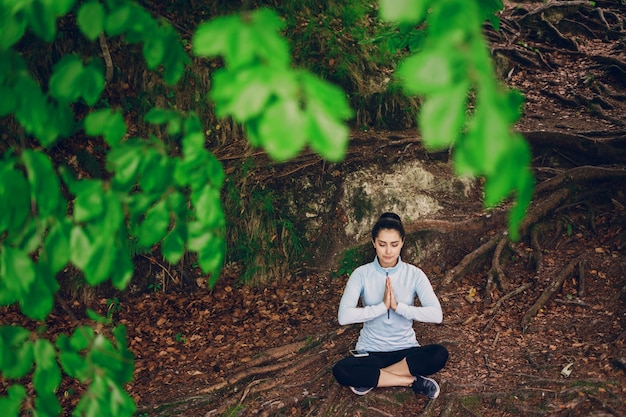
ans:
x=389 y=297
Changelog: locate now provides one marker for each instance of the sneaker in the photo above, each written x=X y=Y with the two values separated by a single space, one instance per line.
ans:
x=426 y=386
x=361 y=390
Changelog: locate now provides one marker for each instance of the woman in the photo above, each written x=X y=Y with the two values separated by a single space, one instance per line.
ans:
x=387 y=288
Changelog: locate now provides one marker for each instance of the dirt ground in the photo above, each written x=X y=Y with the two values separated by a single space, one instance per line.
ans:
x=268 y=351
x=219 y=353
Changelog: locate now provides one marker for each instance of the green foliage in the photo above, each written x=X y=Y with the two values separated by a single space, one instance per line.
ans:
x=464 y=106
x=164 y=192
x=281 y=109
x=350 y=259
x=104 y=365
x=263 y=241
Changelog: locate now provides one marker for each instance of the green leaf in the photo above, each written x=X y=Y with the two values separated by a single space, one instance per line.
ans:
x=175 y=59
x=173 y=246
x=82 y=338
x=442 y=116
x=12 y=29
x=243 y=39
x=44 y=182
x=269 y=45
x=90 y=19
x=100 y=264
x=47 y=405
x=215 y=171
x=214 y=37
x=127 y=372
x=8 y=102
x=429 y=72
x=92 y=83
x=511 y=167
x=153 y=50
x=62 y=7
x=108 y=123
x=208 y=206
x=403 y=10
x=157 y=116
x=11 y=404
x=14 y=199
x=74 y=365
x=155 y=224
x=193 y=145
x=89 y=202
x=42 y=19
x=81 y=247
x=210 y=246
x=124 y=162
x=56 y=249
x=321 y=94
x=47 y=376
x=123 y=270
x=282 y=129
x=118 y=19
x=329 y=137
x=65 y=80
x=37 y=303
x=525 y=190
x=17 y=272
x=16 y=355
x=242 y=93
x=156 y=172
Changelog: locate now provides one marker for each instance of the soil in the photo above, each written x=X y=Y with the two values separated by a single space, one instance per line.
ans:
x=269 y=350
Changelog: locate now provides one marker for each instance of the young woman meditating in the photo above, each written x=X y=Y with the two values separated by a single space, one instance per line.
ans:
x=387 y=352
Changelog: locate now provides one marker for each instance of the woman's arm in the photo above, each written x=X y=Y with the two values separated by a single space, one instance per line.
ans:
x=430 y=309
x=349 y=313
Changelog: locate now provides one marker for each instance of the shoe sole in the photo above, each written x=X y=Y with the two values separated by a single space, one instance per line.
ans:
x=436 y=392
x=360 y=392
x=437 y=385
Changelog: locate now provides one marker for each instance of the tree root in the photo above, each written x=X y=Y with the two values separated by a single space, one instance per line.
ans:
x=511 y=294
x=278 y=358
x=537 y=254
x=497 y=271
x=592 y=150
x=554 y=286
x=469 y=260
x=580 y=175
x=559 y=190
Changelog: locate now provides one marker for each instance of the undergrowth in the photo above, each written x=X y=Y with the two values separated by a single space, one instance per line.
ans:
x=262 y=239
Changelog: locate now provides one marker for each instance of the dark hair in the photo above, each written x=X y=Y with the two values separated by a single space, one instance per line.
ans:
x=388 y=221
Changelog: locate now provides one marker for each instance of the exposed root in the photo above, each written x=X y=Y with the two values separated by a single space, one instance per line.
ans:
x=585 y=147
x=537 y=255
x=554 y=286
x=512 y=294
x=277 y=355
x=464 y=266
x=497 y=271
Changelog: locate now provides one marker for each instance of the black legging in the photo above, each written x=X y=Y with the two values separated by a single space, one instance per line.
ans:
x=365 y=371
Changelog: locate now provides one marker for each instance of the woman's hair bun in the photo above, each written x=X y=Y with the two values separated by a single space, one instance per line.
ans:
x=388 y=220
x=390 y=215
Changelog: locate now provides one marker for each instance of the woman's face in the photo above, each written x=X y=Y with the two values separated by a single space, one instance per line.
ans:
x=388 y=245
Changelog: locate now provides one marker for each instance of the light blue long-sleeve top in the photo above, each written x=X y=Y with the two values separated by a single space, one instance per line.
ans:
x=379 y=333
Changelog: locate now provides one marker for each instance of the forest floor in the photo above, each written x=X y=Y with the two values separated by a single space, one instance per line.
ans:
x=269 y=350
x=240 y=350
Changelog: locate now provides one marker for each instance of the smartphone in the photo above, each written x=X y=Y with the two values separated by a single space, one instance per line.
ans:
x=358 y=353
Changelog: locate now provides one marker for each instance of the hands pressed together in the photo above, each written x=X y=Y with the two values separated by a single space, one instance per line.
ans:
x=389 y=298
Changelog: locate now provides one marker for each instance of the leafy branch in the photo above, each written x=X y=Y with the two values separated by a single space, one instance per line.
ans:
x=167 y=194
